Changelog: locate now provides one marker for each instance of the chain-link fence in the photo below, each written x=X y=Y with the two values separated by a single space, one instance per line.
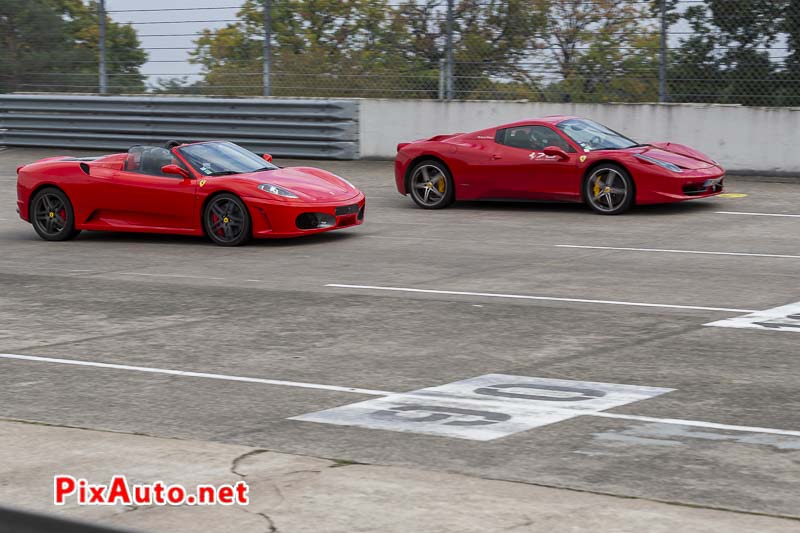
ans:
x=723 y=51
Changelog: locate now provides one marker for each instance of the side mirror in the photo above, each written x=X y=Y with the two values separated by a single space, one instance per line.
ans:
x=176 y=170
x=267 y=158
x=557 y=152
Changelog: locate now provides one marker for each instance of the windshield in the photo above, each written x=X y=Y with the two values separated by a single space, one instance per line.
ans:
x=593 y=136
x=221 y=158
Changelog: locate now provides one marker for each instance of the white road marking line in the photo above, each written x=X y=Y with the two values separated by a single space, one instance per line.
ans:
x=543 y=298
x=676 y=251
x=369 y=392
x=755 y=214
x=699 y=424
x=783 y=318
x=166 y=275
x=185 y=373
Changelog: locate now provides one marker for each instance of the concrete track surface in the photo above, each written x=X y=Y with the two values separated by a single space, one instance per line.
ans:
x=551 y=307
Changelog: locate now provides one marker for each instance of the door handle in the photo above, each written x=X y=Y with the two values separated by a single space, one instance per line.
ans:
x=495 y=157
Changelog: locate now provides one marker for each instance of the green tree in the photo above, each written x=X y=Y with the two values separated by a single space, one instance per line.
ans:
x=182 y=85
x=695 y=72
x=370 y=48
x=788 y=92
x=605 y=50
x=320 y=47
x=124 y=55
x=492 y=40
x=726 y=58
x=52 y=45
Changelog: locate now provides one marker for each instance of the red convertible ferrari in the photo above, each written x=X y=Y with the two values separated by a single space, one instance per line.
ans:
x=215 y=188
x=558 y=158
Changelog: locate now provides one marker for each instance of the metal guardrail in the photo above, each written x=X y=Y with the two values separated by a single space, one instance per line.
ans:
x=313 y=128
x=19 y=521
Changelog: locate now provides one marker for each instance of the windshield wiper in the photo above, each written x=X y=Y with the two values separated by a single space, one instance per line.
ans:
x=231 y=172
x=225 y=173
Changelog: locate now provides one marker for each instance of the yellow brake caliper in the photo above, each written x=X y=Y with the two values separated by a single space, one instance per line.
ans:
x=441 y=184
x=597 y=189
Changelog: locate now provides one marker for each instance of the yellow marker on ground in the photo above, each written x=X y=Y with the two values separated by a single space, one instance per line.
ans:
x=732 y=195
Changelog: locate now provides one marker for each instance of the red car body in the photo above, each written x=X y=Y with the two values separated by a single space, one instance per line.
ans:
x=107 y=197
x=483 y=169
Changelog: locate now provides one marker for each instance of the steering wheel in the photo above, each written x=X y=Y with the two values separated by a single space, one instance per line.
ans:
x=594 y=141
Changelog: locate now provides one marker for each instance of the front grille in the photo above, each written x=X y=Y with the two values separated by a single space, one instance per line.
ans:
x=695 y=189
x=347 y=210
x=707 y=187
x=315 y=221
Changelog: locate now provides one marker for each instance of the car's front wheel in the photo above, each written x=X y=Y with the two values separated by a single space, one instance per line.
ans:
x=52 y=215
x=431 y=185
x=609 y=189
x=226 y=220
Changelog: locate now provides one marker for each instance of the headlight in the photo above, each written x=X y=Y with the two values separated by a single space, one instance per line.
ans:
x=662 y=164
x=277 y=191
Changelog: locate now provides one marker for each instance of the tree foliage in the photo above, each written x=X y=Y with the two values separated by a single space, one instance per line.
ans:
x=726 y=51
x=731 y=54
x=605 y=50
x=500 y=47
x=52 y=45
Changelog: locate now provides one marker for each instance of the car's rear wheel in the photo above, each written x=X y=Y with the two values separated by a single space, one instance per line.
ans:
x=609 y=189
x=52 y=215
x=431 y=185
x=226 y=220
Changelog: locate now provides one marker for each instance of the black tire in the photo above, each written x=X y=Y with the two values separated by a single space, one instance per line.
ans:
x=609 y=189
x=52 y=216
x=425 y=183
x=226 y=220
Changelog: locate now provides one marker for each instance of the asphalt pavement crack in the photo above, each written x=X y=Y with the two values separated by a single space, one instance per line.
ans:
x=272 y=528
x=238 y=460
x=133 y=331
x=528 y=522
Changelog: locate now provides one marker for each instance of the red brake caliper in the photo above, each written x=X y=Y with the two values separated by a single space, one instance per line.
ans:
x=214 y=220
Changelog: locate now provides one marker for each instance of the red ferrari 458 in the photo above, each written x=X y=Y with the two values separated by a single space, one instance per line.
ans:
x=211 y=188
x=557 y=158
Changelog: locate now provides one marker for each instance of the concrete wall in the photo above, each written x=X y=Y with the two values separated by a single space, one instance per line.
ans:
x=756 y=139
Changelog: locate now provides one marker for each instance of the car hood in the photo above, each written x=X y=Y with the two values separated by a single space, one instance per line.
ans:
x=310 y=184
x=677 y=154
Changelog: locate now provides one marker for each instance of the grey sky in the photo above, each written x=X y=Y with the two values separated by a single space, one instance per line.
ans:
x=171 y=63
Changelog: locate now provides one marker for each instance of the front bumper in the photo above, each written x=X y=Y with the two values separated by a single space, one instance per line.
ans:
x=280 y=219
x=689 y=185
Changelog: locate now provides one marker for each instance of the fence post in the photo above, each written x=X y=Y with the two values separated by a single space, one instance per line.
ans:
x=662 y=55
x=449 y=51
x=441 y=78
x=101 y=13
x=267 y=47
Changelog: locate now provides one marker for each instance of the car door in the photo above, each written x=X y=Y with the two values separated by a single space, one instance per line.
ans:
x=531 y=174
x=142 y=197
x=490 y=169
